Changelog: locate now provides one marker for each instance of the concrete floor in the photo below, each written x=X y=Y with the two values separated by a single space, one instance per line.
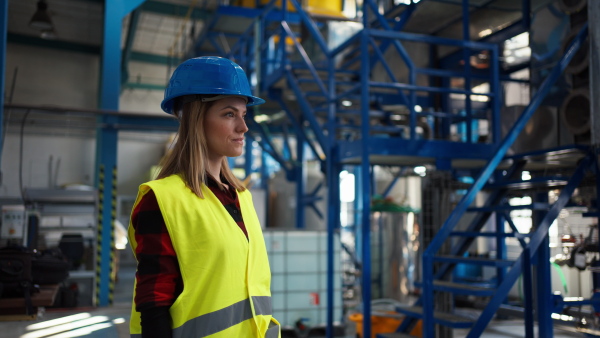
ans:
x=112 y=321
x=105 y=322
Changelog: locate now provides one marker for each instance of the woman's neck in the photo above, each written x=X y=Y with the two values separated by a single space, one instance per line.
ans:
x=214 y=169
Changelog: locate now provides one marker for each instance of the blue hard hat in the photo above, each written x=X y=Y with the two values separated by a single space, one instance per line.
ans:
x=211 y=75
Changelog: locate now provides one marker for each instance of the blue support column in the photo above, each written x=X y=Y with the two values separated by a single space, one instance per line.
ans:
x=594 y=72
x=106 y=144
x=543 y=277
x=467 y=69
x=443 y=124
x=597 y=173
x=333 y=220
x=528 y=287
x=497 y=99
x=358 y=195
x=248 y=156
x=526 y=14
x=231 y=162
x=333 y=187
x=3 y=34
x=365 y=178
x=500 y=247
x=300 y=173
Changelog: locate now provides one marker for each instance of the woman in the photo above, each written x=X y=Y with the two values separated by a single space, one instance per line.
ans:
x=202 y=262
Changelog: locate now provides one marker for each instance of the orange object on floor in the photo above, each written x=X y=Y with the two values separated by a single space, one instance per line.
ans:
x=381 y=324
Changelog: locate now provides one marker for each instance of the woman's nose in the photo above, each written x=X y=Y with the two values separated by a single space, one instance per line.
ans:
x=242 y=127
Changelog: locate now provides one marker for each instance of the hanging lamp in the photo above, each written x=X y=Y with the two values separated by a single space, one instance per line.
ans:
x=41 y=19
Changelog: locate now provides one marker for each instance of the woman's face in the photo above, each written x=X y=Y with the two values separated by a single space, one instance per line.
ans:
x=224 y=127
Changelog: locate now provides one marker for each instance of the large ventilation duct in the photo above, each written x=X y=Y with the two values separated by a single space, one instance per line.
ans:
x=572 y=6
x=575 y=111
x=581 y=59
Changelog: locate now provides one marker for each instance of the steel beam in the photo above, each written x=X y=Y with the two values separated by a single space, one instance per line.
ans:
x=129 y=40
x=164 y=8
x=395 y=146
x=53 y=44
x=543 y=284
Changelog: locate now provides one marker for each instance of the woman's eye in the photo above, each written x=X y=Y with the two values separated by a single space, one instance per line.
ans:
x=230 y=114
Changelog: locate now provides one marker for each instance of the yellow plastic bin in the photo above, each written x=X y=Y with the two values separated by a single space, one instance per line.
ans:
x=381 y=324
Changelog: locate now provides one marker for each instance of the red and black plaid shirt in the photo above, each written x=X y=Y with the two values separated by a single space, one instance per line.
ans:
x=158 y=276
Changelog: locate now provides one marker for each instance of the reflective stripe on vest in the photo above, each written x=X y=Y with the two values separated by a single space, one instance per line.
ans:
x=220 y=320
x=273 y=331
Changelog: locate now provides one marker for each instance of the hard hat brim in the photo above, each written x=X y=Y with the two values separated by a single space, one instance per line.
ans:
x=167 y=104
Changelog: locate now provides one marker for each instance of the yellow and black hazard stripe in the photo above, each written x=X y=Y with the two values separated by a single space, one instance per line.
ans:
x=113 y=216
x=99 y=232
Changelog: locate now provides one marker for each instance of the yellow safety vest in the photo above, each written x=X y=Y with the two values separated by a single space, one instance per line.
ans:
x=226 y=277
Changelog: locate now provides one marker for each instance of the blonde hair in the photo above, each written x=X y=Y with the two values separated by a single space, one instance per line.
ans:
x=189 y=156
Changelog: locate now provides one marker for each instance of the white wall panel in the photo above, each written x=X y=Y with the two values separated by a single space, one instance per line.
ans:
x=76 y=162
x=71 y=79
x=52 y=77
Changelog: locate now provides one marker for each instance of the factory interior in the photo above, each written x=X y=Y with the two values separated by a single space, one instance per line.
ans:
x=421 y=168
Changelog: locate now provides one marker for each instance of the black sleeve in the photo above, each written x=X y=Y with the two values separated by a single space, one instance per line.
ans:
x=156 y=323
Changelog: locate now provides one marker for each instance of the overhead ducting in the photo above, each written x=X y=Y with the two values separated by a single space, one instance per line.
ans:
x=581 y=59
x=572 y=6
x=575 y=111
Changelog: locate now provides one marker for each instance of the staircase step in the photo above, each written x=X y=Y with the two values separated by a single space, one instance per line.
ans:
x=301 y=71
x=473 y=260
x=506 y=207
x=442 y=318
x=485 y=234
x=475 y=289
x=536 y=182
x=488 y=234
x=394 y=335
x=463 y=289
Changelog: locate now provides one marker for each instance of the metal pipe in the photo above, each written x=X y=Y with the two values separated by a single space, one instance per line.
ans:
x=594 y=37
x=467 y=68
x=3 y=34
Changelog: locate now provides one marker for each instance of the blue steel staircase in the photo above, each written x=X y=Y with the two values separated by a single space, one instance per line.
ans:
x=271 y=51
x=508 y=270
x=437 y=268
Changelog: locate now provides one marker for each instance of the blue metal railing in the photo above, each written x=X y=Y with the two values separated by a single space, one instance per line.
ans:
x=275 y=64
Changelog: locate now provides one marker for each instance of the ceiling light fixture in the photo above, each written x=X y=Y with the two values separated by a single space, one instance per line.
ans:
x=48 y=34
x=485 y=32
x=41 y=19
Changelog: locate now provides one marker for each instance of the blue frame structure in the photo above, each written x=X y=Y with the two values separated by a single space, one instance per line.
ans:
x=272 y=53
x=267 y=39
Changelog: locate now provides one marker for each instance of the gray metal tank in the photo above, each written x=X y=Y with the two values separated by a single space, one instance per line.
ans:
x=394 y=249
